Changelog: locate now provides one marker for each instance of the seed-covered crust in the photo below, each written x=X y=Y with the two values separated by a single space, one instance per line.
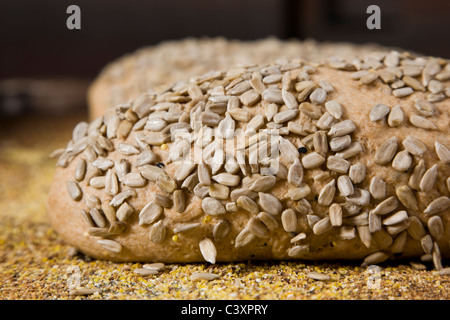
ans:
x=155 y=66
x=204 y=191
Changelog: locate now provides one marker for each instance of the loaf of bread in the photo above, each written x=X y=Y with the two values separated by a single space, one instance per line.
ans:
x=287 y=160
x=152 y=67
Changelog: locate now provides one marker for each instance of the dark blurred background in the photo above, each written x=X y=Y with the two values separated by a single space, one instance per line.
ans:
x=38 y=53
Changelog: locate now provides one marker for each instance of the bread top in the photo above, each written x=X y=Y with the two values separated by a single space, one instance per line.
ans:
x=152 y=67
x=354 y=168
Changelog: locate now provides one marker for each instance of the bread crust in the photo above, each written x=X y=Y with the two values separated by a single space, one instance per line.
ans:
x=357 y=101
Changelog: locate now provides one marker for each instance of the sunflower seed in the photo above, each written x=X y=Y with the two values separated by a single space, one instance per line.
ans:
x=268 y=220
x=133 y=180
x=150 y=213
x=157 y=232
x=219 y=191
x=124 y=211
x=414 y=146
x=395 y=218
x=364 y=235
x=263 y=183
x=295 y=173
x=448 y=184
x=256 y=83
x=221 y=230
x=442 y=152
x=368 y=78
x=288 y=150
x=155 y=124
x=416 y=177
x=155 y=138
x=345 y=185
x=227 y=179
x=406 y=197
x=122 y=167
x=357 y=173
x=305 y=88
x=425 y=107
x=436 y=227
x=208 y=250
x=244 y=238
x=359 y=197
x=361 y=219
x=340 y=143
x=250 y=97
x=200 y=191
x=402 y=161
x=386 y=152
x=438 y=205
x=337 y=164
x=92 y=202
x=312 y=160
x=437 y=257
x=254 y=124
x=322 y=226
x=111 y=183
x=199 y=276
x=413 y=83
x=236 y=193
x=80 y=170
x=435 y=86
x=110 y=245
x=239 y=114
x=298 y=237
x=342 y=128
x=273 y=95
x=435 y=97
x=335 y=213
x=422 y=122
x=396 y=116
x=87 y=218
x=284 y=116
x=145 y=271
x=270 y=203
x=374 y=222
x=298 y=251
x=289 y=100
x=354 y=149
x=247 y=204
x=318 y=96
x=310 y=110
x=74 y=190
x=326 y=195
x=324 y=123
x=98 y=218
x=151 y=172
x=386 y=206
x=444 y=271
x=184 y=170
x=271 y=110
x=427 y=244
x=179 y=201
x=258 y=228
x=289 y=220
x=320 y=142
x=375 y=258
x=429 y=178
x=415 y=228
x=378 y=112
x=146 y=157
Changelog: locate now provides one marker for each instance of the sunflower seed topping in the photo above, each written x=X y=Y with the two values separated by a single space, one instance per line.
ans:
x=150 y=213
x=442 y=152
x=386 y=152
x=340 y=143
x=199 y=276
x=295 y=173
x=375 y=258
x=342 y=128
x=416 y=229
x=208 y=250
x=258 y=228
x=335 y=213
x=312 y=160
x=110 y=245
x=74 y=190
x=402 y=161
x=270 y=203
x=157 y=232
x=378 y=112
x=322 y=226
x=396 y=116
x=326 y=195
x=438 y=205
x=436 y=227
x=345 y=185
x=429 y=178
x=425 y=107
x=289 y=220
x=337 y=164
x=422 y=122
x=244 y=238
x=416 y=176
x=406 y=197
x=124 y=211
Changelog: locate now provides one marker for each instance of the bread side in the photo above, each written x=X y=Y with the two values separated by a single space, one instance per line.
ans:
x=354 y=179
